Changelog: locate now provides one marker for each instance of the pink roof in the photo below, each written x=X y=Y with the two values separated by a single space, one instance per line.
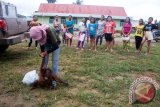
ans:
x=82 y=9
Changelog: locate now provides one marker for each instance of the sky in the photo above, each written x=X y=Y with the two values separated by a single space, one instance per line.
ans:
x=134 y=8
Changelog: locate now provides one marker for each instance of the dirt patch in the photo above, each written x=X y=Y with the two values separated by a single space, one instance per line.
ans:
x=142 y=74
x=21 y=70
x=74 y=91
x=93 y=91
x=81 y=78
x=68 y=103
x=123 y=58
x=83 y=83
x=1 y=88
x=112 y=79
x=150 y=74
x=13 y=101
x=135 y=75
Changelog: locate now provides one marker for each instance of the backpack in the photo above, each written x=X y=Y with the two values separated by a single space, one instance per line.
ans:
x=52 y=36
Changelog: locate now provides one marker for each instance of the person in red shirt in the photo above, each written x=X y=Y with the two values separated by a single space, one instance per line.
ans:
x=114 y=31
x=108 y=32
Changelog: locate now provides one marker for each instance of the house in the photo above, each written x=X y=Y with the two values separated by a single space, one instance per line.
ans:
x=47 y=11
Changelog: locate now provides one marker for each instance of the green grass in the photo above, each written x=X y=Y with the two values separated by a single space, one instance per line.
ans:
x=97 y=79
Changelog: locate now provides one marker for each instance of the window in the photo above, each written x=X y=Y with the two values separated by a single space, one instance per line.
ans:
x=9 y=11
x=96 y=20
x=51 y=19
x=86 y=18
x=12 y=11
x=63 y=20
x=121 y=22
x=75 y=20
x=6 y=8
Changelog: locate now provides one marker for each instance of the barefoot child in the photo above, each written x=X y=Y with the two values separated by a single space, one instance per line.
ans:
x=114 y=31
x=33 y=23
x=100 y=28
x=126 y=30
x=70 y=31
x=148 y=36
x=108 y=32
x=139 y=35
x=92 y=33
x=87 y=23
x=82 y=34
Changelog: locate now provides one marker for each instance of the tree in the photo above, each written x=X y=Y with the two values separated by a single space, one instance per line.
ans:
x=51 y=1
x=78 y=2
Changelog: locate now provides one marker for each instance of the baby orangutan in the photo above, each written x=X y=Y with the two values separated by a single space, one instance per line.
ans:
x=46 y=77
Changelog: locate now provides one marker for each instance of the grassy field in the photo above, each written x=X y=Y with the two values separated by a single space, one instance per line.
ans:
x=97 y=79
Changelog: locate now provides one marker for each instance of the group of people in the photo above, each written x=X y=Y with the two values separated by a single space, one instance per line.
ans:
x=49 y=37
x=106 y=28
x=145 y=32
x=89 y=29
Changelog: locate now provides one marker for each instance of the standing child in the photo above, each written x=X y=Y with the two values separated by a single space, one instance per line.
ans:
x=70 y=31
x=34 y=22
x=148 y=36
x=100 y=28
x=126 y=30
x=92 y=33
x=114 y=31
x=139 y=35
x=87 y=23
x=108 y=31
x=82 y=34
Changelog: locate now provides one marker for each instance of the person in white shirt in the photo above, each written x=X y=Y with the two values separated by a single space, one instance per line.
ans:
x=82 y=34
x=87 y=23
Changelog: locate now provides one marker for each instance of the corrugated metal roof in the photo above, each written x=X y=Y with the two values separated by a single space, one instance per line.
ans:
x=81 y=9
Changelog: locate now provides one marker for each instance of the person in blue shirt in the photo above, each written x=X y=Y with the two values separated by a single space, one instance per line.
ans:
x=70 y=25
x=92 y=33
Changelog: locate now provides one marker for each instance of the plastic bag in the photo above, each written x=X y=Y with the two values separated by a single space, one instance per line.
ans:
x=126 y=38
x=81 y=38
x=69 y=35
x=30 y=77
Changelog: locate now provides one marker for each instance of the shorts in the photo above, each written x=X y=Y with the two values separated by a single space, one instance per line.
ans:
x=108 y=37
x=149 y=35
x=92 y=36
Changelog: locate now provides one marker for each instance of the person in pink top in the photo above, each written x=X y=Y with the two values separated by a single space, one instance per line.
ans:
x=126 y=30
x=114 y=24
x=108 y=32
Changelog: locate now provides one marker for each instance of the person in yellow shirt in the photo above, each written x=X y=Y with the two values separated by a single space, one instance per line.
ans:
x=139 y=34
